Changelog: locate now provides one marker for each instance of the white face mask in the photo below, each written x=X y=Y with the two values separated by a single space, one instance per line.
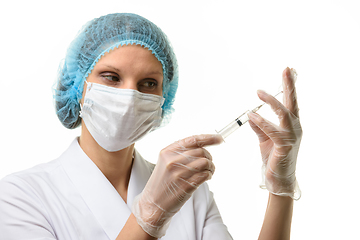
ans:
x=116 y=118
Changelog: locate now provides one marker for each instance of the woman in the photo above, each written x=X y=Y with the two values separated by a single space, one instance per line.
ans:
x=119 y=81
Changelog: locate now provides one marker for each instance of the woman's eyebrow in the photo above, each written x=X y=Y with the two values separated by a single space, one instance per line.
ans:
x=155 y=73
x=148 y=73
x=114 y=68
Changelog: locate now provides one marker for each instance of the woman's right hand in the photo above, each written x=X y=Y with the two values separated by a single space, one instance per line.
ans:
x=182 y=167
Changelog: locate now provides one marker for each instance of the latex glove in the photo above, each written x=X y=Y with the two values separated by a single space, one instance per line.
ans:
x=279 y=145
x=181 y=168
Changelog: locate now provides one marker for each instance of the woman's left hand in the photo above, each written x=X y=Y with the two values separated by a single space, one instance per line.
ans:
x=279 y=145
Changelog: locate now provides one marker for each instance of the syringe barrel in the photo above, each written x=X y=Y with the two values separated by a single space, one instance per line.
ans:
x=244 y=118
x=229 y=129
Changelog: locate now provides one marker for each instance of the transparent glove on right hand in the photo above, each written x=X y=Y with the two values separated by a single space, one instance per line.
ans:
x=182 y=167
x=279 y=145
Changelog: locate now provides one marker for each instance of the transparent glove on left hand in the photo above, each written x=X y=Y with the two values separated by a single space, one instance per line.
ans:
x=279 y=145
x=182 y=167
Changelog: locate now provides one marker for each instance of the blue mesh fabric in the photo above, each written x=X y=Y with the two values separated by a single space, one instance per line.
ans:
x=99 y=36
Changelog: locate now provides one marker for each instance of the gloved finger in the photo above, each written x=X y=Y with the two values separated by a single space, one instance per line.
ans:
x=197 y=153
x=197 y=141
x=203 y=140
x=261 y=135
x=195 y=173
x=185 y=187
x=276 y=106
x=200 y=165
x=269 y=128
x=281 y=111
x=290 y=97
x=192 y=160
x=199 y=178
x=188 y=156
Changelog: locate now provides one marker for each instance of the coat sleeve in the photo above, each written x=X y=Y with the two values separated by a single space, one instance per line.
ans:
x=213 y=227
x=22 y=216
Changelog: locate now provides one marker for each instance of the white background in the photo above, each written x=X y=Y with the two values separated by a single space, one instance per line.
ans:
x=226 y=51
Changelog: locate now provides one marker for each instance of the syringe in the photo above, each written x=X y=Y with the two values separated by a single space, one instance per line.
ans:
x=230 y=128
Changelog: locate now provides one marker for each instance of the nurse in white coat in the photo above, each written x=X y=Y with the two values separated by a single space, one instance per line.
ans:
x=119 y=81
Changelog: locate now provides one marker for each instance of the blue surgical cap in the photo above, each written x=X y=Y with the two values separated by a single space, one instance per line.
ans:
x=98 y=37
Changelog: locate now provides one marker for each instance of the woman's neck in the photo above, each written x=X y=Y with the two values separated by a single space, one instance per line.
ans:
x=116 y=166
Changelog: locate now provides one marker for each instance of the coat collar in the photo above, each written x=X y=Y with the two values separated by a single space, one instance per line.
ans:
x=98 y=193
x=140 y=174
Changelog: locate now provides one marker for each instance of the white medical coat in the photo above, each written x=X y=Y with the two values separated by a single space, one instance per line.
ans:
x=69 y=199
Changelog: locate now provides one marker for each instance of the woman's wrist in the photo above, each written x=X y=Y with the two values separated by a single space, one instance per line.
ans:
x=133 y=231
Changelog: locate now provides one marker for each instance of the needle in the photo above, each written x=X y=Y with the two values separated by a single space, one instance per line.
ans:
x=258 y=107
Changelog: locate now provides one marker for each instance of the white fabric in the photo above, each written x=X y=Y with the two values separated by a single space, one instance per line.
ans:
x=69 y=199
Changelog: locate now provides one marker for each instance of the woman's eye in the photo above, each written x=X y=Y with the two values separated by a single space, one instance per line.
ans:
x=111 y=78
x=148 y=85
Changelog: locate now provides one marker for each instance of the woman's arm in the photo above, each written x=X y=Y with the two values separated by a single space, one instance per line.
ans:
x=277 y=222
x=279 y=146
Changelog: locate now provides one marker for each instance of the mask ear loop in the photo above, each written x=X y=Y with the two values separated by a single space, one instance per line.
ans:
x=88 y=87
